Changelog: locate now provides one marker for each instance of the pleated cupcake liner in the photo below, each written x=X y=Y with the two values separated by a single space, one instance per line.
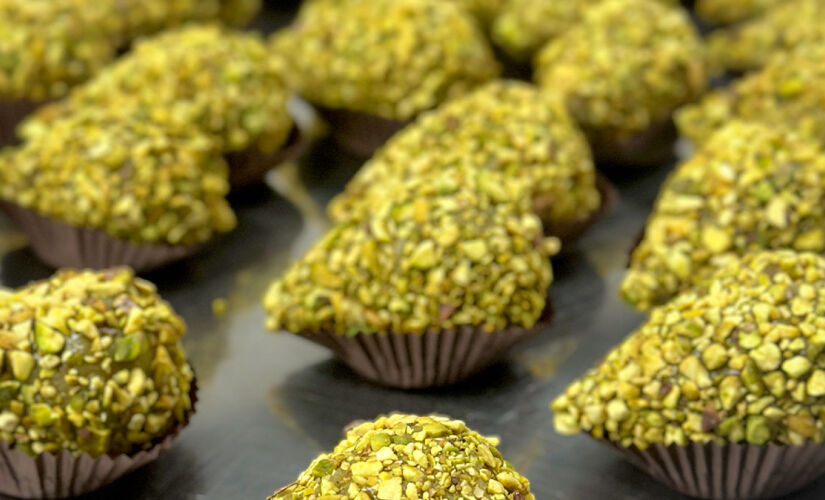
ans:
x=570 y=232
x=63 y=475
x=12 y=112
x=250 y=166
x=416 y=361
x=731 y=471
x=61 y=245
x=359 y=133
x=651 y=147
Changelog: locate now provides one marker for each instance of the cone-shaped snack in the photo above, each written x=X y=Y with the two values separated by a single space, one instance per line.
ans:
x=504 y=126
x=206 y=78
x=721 y=392
x=428 y=286
x=93 y=183
x=749 y=188
x=407 y=456
x=788 y=92
x=727 y=11
x=524 y=26
x=790 y=25
x=94 y=381
x=623 y=71
x=387 y=59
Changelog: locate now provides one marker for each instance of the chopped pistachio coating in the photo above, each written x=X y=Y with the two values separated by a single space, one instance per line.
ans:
x=407 y=457
x=751 y=187
x=390 y=58
x=130 y=178
x=484 y=10
x=788 y=91
x=788 y=26
x=239 y=13
x=222 y=82
x=49 y=45
x=731 y=11
x=738 y=358
x=449 y=250
x=524 y=26
x=625 y=67
x=505 y=126
x=90 y=362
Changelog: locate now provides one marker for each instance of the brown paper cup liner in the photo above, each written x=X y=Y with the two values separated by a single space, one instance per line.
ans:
x=64 y=475
x=570 y=232
x=11 y=114
x=649 y=148
x=433 y=359
x=729 y=472
x=60 y=245
x=359 y=133
x=250 y=166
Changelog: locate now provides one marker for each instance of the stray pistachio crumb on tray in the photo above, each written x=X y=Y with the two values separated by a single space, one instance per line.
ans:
x=389 y=58
x=90 y=362
x=133 y=179
x=625 y=68
x=406 y=457
x=749 y=188
x=456 y=249
x=738 y=358
x=504 y=126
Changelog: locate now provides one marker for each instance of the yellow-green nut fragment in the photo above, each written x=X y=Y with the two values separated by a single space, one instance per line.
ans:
x=731 y=11
x=788 y=92
x=90 y=362
x=426 y=457
x=225 y=84
x=439 y=252
x=625 y=68
x=524 y=26
x=390 y=58
x=688 y=376
x=131 y=178
x=790 y=25
x=504 y=126
x=751 y=187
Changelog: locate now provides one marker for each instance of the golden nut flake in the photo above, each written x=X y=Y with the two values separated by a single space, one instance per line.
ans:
x=224 y=83
x=439 y=252
x=737 y=359
x=625 y=67
x=788 y=92
x=727 y=11
x=504 y=126
x=49 y=45
x=524 y=26
x=790 y=25
x=750 y=188
x=406 y=457
x=130 y=178
x=90 y=362
x=390 y=58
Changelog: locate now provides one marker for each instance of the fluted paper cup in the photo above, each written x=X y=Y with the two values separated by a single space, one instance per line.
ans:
x=432 y=359
x=61 y=245
x=250 y=166
x=731 y=471
x=570 y=232
x=359 y=133
x=12 y=112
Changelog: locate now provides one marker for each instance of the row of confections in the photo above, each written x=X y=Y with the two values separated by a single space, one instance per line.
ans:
x=727 y=370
